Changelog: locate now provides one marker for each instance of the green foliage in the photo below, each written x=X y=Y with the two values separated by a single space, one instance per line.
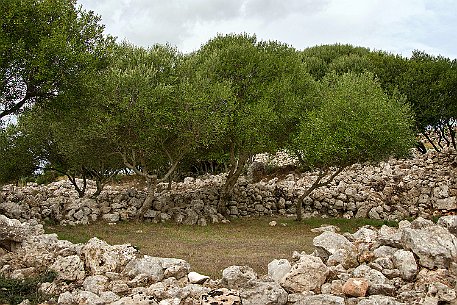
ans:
x=267 y=83
x=47 y=47
x=48 y=176
x=16 y=160
x=14 y=291
x=388 y=69
x=356 y=122
x=429 y=83
x=351 y=63
x=342 y=58
x=329 y=53
x=155 y=110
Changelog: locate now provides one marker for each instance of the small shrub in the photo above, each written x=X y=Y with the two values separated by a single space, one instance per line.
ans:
x=47 y=177
x=14 y=291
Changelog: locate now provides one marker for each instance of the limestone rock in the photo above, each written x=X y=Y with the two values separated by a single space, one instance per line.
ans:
x=328 y=243
x=235 y=277
x=355 y=287
x=69 y=268
x=263 y=293
x=443 y=292
x=449 y=222
x=101 y=257
x=136 y=299
x=197 y=278
x=109 y=297
x=111 y=217
x=365 y=235
x=321 y=299
x=449 y=203
x=384 y=251
x=372 y=275
x=435 y=246
x=344 y=257
x=88 y=298
x=308 y=274
x=12 y=231
x=96 y=283
x=174 y=267
x=278 y=268
x=67 y=298
x=389 y=236
x=221 y=296
x=419 y=223
x=379 y=300
x=119 y=286
x=148 y=266
x=405 y=262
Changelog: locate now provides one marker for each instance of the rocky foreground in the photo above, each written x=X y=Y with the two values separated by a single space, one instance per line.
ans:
x=415 y=263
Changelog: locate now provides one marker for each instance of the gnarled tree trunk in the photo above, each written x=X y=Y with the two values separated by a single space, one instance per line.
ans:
x=151 y=179
x=236 y=168
x=150 y=196
x=316 y=184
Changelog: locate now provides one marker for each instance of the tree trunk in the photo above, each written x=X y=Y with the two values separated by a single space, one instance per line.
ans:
x=452 y=134
x=236 y=169
x=316 y=184
x=99 y=183
x=150 y=196
x=431 y=142
x=81 y=190
x=170 y=181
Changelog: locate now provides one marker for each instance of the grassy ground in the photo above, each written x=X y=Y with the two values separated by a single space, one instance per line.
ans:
x=212 y=248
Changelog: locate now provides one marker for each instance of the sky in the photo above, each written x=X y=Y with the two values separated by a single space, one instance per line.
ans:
x=395 y=26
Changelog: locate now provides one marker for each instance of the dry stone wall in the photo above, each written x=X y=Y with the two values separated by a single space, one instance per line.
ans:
x=424 y=186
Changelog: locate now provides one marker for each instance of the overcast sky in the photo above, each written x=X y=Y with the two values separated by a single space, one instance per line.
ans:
x=397 y=26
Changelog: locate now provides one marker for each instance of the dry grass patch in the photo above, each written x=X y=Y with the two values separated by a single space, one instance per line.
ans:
x=210 y=249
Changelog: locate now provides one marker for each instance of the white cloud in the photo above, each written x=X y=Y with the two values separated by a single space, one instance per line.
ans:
x=391 y=25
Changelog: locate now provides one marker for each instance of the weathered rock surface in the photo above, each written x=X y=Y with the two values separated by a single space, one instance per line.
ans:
x=434 y=245
x=308 y=274
x=355 y=287
x=322 y=299
x=101 y=257
x=69 y=268
x=277 y=269
x=328 y=243
x=12 y=231
x=405 y=262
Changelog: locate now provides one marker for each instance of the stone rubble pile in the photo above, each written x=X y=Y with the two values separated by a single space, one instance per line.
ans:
x=424 y=186
x=415 y=263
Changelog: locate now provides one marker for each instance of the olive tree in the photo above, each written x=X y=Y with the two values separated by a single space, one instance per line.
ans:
x=63 y=140
x=355 y=122
x=267 y=85
x=430 y=85
x=46 y=48
x=156 y=110
x=323 y=59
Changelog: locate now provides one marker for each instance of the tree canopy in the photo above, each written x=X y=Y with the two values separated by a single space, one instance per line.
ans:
x=154 y=110
x=268 y=87
x=47 y=47
x=356 y=122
